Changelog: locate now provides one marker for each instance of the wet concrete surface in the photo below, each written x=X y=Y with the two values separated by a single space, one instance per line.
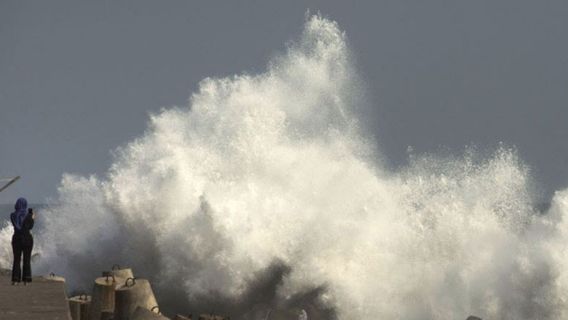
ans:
x=43 y=299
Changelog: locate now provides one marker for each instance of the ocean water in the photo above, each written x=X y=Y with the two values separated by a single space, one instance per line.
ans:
x=265 y=190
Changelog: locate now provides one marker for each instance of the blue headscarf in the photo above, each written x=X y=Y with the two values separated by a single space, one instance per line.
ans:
x=19 y=215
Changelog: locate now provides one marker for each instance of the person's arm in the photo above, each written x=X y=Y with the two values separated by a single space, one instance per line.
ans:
x=30 y=220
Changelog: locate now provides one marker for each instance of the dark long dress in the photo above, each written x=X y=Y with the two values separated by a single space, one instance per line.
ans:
x=23 y=243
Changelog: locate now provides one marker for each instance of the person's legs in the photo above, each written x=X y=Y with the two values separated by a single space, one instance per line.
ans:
x=17 y=250
x=27 y=276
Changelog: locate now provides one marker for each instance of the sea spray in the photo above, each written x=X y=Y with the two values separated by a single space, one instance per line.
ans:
x=274 y=169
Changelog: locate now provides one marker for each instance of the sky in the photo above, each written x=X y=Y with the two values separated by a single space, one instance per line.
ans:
x=79 y=78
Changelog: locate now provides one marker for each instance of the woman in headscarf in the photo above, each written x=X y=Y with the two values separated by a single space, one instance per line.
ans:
x=22 y=241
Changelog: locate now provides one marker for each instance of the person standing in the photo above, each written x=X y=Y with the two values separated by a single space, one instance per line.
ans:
x=22 y=241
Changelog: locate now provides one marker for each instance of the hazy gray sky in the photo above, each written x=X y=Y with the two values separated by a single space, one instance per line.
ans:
x=78 y=78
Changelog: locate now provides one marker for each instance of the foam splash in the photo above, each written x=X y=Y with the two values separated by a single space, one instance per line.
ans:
x=273 y=167
x=6 y=249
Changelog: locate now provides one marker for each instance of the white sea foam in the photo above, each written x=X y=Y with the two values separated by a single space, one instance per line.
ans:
x=274 y=167
x=6 y=247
